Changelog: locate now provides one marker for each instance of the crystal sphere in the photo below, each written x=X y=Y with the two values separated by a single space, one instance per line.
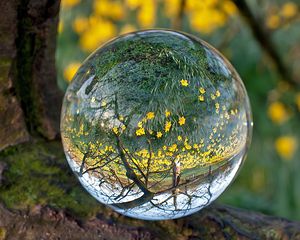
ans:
x=156 y=124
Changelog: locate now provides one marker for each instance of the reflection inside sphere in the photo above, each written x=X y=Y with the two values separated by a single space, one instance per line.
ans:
x=156 y=124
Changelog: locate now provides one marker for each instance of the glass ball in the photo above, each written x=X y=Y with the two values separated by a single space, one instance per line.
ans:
x=156 y=124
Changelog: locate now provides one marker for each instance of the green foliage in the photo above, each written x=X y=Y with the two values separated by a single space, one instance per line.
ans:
x=36 y=176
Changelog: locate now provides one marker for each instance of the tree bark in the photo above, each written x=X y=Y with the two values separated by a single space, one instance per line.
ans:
x=214 y=222
x=29 y=111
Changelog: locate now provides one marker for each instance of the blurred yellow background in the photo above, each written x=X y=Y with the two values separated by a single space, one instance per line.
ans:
x=269 y=180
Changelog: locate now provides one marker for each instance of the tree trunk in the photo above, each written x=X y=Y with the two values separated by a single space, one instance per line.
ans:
x=36 y=187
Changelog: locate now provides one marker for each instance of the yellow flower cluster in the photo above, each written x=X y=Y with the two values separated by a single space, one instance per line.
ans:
x=186 y=152
x=287 y=11
x=168 y=125
x=213 y=96
x=98 y=31
x=80 y=24
x=171 y=8
x=208 y=15
x=119 y=130
x=109 y=9
x=147 y=14
x=140 y=132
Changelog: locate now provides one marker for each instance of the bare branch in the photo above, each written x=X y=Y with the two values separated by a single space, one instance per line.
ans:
x=263 y=38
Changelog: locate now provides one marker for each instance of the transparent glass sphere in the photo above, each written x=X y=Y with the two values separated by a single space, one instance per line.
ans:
x=156 y=124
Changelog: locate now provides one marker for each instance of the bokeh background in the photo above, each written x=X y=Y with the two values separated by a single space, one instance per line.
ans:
x=270 y=178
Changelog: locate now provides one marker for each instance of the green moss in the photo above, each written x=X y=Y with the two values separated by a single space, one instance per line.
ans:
x=38 y=174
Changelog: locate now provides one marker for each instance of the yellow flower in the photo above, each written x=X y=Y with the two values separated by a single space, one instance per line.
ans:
x=167 y=113
x=140 y=132
x=70 y=70
x=207 y=19
x=150 y=131
x=181 y=121
x=147 y=14
x=99 y=31
x=69 y=3
x=171 y=7
x=184 y=82
x=103 y=104
x=80 y=24
x=168 y=126
x=202 y=90
x=218 y=94
x=110 y=9
x=115 y=130
x=173 y=148
x=150 y=115
x=201 y=98
x=273 y=21
x=229 y=7
x=286 y=146
x=140 y=124
x=158 y=134
x=277 y=112
x=289 y=10
x=187 y=146
x=179 y=138
x=123 y=127
x=121 y=117
x=217 y=105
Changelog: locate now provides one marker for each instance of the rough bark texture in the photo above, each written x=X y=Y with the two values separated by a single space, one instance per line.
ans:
x=29 y=108
x=13 y=129
x=30 y=99
x=215 y=222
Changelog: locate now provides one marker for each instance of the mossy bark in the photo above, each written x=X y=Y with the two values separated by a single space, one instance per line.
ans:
x=41 y=198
